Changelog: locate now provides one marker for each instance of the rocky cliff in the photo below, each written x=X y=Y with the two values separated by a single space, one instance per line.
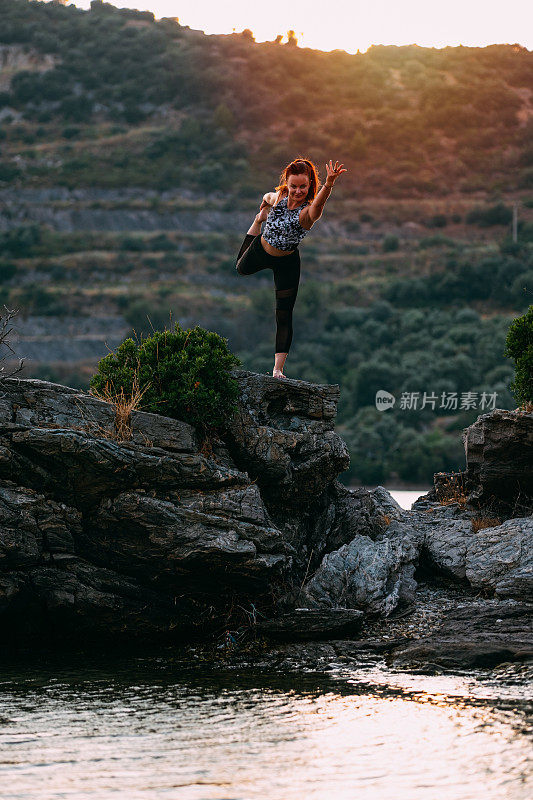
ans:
x=161 y=537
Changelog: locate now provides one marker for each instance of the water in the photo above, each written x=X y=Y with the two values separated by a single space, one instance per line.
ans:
x=404 y=497
x=143 y=728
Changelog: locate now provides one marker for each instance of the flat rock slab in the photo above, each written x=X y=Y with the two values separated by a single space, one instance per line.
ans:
x=476 y=634
x=306 y=623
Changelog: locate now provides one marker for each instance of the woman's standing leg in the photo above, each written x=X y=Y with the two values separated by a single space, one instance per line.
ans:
x=286 y=280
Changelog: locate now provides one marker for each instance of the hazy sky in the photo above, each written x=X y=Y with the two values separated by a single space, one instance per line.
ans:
x=356 y=24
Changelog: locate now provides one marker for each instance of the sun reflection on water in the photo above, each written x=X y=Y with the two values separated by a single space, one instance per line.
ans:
x=151 y=732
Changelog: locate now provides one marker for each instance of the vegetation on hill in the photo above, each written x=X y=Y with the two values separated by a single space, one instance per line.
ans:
x=176 y=107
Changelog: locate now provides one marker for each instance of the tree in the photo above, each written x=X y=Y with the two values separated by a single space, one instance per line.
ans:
x=519 y=346
x=292 y=41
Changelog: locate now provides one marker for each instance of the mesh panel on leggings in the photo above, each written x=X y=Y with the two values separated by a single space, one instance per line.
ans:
x=285 y=299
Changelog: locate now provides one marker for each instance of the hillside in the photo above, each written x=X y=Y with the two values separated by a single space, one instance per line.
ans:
x=211 y=109
x=133 y=155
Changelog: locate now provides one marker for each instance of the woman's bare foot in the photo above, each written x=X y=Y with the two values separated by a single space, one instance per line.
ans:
x=279 y=363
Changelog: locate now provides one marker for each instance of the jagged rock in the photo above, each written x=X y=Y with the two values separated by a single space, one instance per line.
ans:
x=199 y=542
x=446 y=531
x=33 y=528
x=73 y=602
x=80 y=468
x=59 y=440
x=333 y=518
x=48 y=593
x=36 y=403
x=474 y=635
x=367 y=574
x=497 y=559
x=500 y=559
x=446 y=544
x=385 y=505
x=305 y=624
x=149 y=534
x=283 y=435
x=499 y=461
x=160 y=535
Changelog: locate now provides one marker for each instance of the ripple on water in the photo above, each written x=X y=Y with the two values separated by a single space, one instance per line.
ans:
x=146 y=730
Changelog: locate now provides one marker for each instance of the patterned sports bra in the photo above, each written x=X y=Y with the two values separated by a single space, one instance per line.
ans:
x=282 y=227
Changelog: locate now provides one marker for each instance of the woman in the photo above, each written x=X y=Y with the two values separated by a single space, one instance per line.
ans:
x=289 y=212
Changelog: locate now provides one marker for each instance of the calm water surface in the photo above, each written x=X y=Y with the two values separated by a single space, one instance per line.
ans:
x=143 y=728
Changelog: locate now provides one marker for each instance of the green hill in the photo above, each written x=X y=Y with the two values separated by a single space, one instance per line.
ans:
x=133 y=155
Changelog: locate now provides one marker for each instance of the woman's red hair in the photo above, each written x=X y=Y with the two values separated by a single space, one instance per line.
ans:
x=300 y=166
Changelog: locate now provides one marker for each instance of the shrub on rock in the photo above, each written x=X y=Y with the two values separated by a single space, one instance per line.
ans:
x=181 y=373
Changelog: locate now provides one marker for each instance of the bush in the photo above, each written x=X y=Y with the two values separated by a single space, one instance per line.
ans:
x=435 y=241
x=8 y=172
x=390 y=243
x=20 y=242
x=498 y=214
x=135 y=243
x=33 y=299
x=71 y=131
x=519 y=346
x=184 y=374
x=437 y=221
x=7 y=271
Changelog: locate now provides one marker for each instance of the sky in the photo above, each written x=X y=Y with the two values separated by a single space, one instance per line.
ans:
x=353 y=25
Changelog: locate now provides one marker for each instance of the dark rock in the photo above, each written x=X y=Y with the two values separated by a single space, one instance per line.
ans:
x=79 y=468
x=499 y=462
x=475 y=635
x=160 y=536
x=33 y=528
x=283 y=436
x=304 y=624
x=34 y=403
x=496 y=558
x=333 y=518
x=199 y=542
x=150 y=536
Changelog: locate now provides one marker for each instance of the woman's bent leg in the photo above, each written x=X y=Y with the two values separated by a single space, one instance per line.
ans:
x=253 y=257
x=248 y=239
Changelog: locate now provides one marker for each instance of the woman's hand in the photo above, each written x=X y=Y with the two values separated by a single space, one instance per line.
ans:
x=310 y=214
x=264 y=210
x=333 y=172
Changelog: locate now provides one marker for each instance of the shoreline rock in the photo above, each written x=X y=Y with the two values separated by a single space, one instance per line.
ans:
x=158 y=539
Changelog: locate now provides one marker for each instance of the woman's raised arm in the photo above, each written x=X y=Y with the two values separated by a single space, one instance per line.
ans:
x=313 y=211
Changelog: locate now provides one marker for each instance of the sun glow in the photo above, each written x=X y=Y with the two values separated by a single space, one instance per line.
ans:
x=353 y=25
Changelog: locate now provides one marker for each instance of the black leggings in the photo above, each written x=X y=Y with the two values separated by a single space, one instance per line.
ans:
x=252 y=258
